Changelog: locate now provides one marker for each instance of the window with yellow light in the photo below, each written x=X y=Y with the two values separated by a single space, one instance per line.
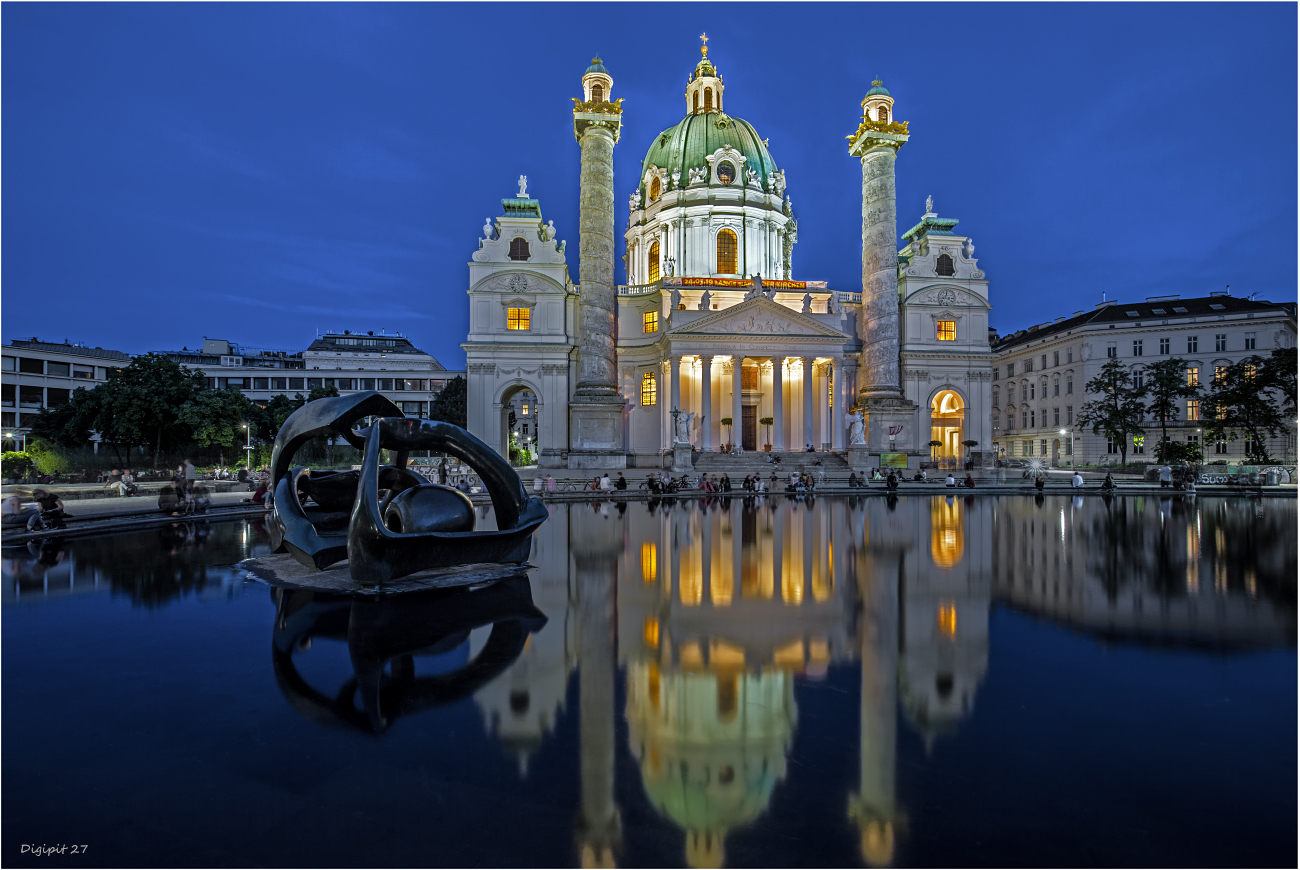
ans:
x=518 y=318
x=650 y=321
x=946 y=330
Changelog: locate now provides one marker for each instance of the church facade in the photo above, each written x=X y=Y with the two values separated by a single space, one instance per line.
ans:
x=714 y=344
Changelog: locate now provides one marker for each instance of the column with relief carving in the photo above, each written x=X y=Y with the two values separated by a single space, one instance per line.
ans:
x=596 y=408
x=876 y=144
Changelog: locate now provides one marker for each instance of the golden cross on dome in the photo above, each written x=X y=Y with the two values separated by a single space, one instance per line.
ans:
x=704 y=49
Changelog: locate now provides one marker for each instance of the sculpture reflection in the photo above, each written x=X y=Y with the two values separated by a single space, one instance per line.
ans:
x=384 y=639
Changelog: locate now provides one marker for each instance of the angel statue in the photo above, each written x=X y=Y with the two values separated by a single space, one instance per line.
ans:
x=755 y=287
x=633 y=202
x=857 y=429
x=684 y=427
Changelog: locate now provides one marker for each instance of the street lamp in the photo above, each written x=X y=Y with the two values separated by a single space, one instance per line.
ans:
x=248 y=446
x=1070 y=432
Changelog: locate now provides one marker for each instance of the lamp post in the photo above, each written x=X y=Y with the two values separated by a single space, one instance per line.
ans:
x=1070 y=432
x=248 y=448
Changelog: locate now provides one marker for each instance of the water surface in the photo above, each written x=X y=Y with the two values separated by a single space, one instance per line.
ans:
x=959 y=682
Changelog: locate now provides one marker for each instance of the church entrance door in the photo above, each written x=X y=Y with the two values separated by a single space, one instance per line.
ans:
x=749 y=427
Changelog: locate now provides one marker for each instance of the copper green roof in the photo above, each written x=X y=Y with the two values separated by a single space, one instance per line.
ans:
x=932 y=226
x=596 y=66
x=878 y=89
x=686 y=145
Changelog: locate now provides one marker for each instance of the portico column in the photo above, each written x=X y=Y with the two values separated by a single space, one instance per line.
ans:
x=837 y=409
x=778 y=403
x=737 y=363
x=808 y=435
x=675 y=384
x=706 y=402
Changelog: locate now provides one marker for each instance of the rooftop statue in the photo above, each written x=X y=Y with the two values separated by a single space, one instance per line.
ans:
x=523 y=187
x=386 y=520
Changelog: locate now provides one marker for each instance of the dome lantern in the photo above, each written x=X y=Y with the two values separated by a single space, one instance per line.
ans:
x=596 y=82
x=878 y=105
x=704 y=90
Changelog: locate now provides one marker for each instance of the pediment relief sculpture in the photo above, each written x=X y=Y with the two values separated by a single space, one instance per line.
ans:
x=760 y=316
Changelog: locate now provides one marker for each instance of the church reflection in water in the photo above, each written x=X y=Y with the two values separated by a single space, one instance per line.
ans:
x=712 y=611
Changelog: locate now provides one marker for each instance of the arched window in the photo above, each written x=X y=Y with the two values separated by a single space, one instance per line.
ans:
x=649 y=390
x=727 y=253
x=597 y=93
x=883 y=115
x=654 y=188
x=653 y=271
x=943 y=266
x=696 y=106
x=708 y=99
x=518 y=249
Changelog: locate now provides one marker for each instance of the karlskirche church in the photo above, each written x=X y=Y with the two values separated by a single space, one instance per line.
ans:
x=716 y=344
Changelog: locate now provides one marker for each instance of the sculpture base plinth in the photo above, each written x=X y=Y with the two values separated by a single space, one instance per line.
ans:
x=682 y=459
x=596 y=432
x=890 y=424
x=550 y=458
x=860 y=458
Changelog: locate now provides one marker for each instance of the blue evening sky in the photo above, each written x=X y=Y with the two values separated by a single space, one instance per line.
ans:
x=259 y=171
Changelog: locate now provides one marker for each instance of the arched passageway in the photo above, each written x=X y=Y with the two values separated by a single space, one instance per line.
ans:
x=948 y=426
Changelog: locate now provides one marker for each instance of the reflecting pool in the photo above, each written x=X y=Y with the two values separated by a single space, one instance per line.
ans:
x=928 y=681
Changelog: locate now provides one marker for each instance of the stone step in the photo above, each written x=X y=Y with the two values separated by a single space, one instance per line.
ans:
x=748 y=463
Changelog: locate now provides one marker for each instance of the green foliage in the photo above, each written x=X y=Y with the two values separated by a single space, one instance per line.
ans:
x=16 y=463
x=1179 y=452
x=218 y=417
x=766 y=421
x=1117 y=410
x=1165 y=390
x=47 y=458
x=450 y=406
x=1278 y=373
x=1244 y=400
x=69 y=425
x=329 y=392
x=725 y=421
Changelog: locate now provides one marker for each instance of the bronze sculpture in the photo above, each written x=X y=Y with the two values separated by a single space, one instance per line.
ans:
x=387 y=520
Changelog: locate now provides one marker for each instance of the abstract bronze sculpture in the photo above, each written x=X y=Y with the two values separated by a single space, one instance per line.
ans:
x=386 y=520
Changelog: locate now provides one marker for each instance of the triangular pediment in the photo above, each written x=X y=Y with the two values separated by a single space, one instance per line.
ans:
x=758 y=317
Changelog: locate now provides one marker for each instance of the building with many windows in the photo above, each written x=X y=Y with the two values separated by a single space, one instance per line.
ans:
x=42 y=374
x=712 y=344
x=1040 y=373
x=347 y=361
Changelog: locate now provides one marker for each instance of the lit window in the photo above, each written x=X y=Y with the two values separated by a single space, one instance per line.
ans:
x=1220 y=372
x=654 y=188
x=650 y=321
x=1193 y=409
x=518 y=249
x=517 y=318
x=943 y=266
x=653 y=271
x=727 y=252
x=650 y=566
x=708 y=99
x=649 y=389
x=696 y=102
x=597 y=94
x=523 y=409
x=947 y=330
x=1193 y=376
x=948 y=619
x=1249 y=371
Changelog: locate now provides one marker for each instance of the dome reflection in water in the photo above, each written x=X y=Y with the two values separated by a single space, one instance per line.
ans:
x=715 y=612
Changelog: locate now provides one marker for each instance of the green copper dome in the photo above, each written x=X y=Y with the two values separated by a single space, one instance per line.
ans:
x=878 y=89
x=597 y=66
x=686 y=145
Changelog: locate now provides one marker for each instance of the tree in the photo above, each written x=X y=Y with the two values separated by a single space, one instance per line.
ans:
x=1117 y=412
x=766 y=422
x=1243 y=401
x=1278 y=373
x=330 y=392
x=1164 y=390
x=449 y=406
x=69 y=425
x=141 y=403
x=217 y=416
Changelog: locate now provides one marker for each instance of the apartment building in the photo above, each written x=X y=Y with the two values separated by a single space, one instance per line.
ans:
x=42 y=374
x=1040 y=373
